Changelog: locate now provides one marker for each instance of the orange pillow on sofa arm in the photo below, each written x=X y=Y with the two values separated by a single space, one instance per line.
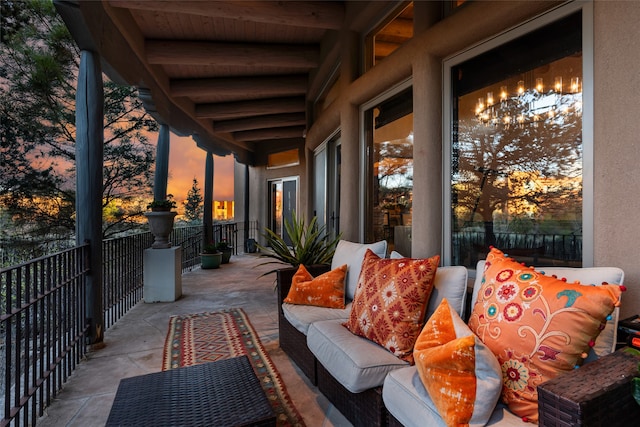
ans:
x=326 y=290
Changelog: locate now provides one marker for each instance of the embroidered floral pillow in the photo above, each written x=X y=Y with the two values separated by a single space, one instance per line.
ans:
x=537 y=326
x=326 y=290
x=390 y=301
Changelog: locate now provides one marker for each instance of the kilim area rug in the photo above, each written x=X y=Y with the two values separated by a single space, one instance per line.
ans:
x=207 y=337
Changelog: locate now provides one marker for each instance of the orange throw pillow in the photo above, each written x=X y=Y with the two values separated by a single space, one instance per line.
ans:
x=390 y=301
x=461 y=375
x=537 y=326
x=326 y=290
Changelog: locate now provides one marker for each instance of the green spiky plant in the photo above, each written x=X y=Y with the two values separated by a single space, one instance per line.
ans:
x=310 y=244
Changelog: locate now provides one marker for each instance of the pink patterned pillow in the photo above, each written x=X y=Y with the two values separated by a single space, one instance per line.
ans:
x=390 y=301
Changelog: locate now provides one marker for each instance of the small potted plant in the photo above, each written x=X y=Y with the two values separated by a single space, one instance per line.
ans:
x=162 y=205
x=161 y=221
x=210 y=257
x=226 y=250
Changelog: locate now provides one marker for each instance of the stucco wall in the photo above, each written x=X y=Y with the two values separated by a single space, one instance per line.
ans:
x=617 y=143
x=616 y=127
x=258 y=190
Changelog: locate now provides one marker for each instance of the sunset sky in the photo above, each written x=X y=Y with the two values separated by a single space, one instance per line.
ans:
x=187 y=161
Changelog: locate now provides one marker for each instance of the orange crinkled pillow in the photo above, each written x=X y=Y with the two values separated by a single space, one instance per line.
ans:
x=460 y=374
x=537 y=326
x=390 y=301
x=326 y=290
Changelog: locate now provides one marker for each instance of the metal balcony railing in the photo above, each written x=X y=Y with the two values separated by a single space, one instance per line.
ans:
x=43 y=318
x=42 y=329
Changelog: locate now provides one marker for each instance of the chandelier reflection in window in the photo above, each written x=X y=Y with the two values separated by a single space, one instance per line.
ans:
x=530 y=105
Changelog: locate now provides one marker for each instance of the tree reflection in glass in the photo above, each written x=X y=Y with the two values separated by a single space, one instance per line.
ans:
x=517 y=167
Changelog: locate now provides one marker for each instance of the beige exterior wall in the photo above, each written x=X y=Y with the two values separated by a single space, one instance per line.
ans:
x=259 y=178
x=617 y=143
x=616 y=127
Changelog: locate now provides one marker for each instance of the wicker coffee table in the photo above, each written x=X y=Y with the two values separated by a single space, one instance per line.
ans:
x=222 y=393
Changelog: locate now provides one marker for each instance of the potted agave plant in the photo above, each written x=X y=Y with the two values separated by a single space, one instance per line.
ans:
x=210 y=257
x=310 y=245
x=160 y=219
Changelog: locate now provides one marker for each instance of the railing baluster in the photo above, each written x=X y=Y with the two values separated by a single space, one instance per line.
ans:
x=32 y=328
x=18 y=343
x=8 y=342
x=42 y=331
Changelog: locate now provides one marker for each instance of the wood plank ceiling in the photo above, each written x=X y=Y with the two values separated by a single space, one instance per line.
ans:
x=239 y=70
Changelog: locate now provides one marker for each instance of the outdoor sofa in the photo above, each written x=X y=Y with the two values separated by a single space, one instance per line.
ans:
x=363 y=380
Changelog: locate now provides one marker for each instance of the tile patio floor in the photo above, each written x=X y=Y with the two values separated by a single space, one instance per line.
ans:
x=133 y=346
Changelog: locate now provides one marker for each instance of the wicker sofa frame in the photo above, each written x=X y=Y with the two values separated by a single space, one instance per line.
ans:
x=364 y=409
x=292 y=341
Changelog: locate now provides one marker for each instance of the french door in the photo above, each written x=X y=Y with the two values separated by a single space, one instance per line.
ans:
x=283 y=202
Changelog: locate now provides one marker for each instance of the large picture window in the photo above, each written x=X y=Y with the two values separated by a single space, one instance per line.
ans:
x=517 y=149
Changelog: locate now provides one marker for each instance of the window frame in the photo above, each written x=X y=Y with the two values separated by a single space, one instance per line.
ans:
x=365 y=155
x=587 y=118
x=368 y=37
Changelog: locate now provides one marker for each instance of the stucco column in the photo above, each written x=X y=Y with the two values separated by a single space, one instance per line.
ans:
x=89 y=164
x=246 y=199
x=350 y=191
x=207 y=217
x=427 y=156
x=162 y=164
x=350 y=194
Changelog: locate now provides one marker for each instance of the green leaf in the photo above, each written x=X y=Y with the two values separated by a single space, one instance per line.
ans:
x=310 y=244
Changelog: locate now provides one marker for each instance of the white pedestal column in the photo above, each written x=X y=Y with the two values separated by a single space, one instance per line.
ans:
x=162 y=274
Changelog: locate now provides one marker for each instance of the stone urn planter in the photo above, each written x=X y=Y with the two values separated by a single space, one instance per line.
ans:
x=208 y=261
x=161 y=225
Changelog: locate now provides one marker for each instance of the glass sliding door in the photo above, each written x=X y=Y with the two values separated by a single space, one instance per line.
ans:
x=320 y=185
x=283 y=202
x=389 y=138
x=335 y=161
x=326 y=197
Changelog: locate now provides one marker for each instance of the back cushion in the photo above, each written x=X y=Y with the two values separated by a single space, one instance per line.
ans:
x=352 y=254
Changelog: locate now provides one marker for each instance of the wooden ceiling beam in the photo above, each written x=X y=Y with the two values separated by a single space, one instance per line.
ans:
x=384 y=49
x=180 y=52
x=270 y=86
x=274 y=133
x=260 y=122
x=258 y=107
x=328 y=15
x=399 y=27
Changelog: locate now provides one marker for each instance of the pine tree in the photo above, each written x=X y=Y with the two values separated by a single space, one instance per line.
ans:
x=38 y=72
x=193 y=204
